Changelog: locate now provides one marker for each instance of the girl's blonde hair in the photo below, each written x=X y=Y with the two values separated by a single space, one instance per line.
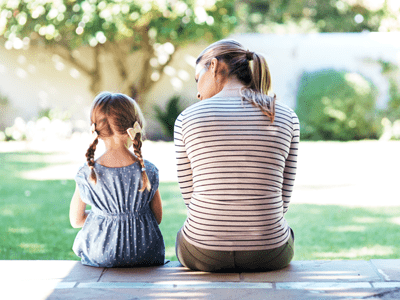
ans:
x=114 y=113
x=249 y=67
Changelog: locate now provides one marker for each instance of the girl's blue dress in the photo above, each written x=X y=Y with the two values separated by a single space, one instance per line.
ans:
x=121 y=229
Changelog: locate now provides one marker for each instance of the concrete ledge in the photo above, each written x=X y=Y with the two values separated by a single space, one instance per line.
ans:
x=300 y=280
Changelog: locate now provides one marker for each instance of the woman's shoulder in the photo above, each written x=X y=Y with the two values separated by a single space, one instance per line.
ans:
x=212 y=103
x=284 y=109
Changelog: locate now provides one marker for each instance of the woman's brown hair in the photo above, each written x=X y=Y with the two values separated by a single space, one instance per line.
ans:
x=250 y=68
x=115 y=113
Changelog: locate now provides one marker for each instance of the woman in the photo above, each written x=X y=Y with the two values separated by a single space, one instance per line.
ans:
x=236 y=159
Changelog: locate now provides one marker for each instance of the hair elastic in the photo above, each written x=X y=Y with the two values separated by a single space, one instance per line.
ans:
x=249 y=55
x=143 y=169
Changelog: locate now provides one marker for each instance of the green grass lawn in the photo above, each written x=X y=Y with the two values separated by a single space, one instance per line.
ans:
x=34 y=220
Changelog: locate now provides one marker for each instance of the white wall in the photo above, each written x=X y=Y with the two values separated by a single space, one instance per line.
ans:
x=289 y=56
x=34 y=79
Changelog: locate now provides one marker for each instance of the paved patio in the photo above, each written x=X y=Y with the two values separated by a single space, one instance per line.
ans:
x=375 y=279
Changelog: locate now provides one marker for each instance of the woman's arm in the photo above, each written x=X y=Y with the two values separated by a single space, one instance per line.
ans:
x=184 y=169
x=77 y=213
x=156 y=206
x=289 y=174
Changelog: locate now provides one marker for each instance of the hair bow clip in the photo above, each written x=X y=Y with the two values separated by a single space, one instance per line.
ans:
x=135 y=130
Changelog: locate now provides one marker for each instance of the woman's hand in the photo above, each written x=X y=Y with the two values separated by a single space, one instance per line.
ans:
x=77 y=213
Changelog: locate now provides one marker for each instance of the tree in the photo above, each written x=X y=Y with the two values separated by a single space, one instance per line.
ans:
x=116 y=28
x=318 y=15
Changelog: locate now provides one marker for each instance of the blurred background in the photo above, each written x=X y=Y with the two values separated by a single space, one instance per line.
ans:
x=335 y=62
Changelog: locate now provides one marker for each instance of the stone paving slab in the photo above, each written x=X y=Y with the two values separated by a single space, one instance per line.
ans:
x=65 y=270
x=388 y=268
x=319 y=270
x=193 y=284
x=37 y=280
x=172 y=271
x=164 y=294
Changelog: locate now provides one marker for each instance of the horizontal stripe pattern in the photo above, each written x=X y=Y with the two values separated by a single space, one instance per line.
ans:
x=236 y=172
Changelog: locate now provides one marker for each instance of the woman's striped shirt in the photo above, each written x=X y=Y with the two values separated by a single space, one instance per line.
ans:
x=236 y=172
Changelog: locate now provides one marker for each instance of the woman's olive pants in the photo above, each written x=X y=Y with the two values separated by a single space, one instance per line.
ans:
x=196 y=258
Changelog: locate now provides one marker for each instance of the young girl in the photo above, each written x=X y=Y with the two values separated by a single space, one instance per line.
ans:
x=121 y=229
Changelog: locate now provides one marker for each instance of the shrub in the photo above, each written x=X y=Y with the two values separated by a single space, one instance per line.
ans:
x=391 y=115
x=39 y=130
x=337 y=105
x=167 y=118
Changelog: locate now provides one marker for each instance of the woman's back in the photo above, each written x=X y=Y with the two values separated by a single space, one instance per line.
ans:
x=121 y=229
x=236 y=173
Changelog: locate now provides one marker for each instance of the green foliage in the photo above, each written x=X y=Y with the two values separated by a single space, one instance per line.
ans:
x=4 y=100
x=393 y=110
x=115 y=29
x=93 y=22
x=316 y=15
x=4 y=104
x=167 y=118
x=391 y=115
x=387 y=67
x=391 y=72
x=53 y=114
x=336 y=105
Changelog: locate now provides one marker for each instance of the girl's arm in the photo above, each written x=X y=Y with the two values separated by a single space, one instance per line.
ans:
x=156 y=206
x=77 y=213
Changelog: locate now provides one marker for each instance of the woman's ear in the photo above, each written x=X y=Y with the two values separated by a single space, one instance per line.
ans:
x=214 y=66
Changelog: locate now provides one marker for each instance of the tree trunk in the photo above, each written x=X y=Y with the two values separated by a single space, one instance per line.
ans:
x=95 y=76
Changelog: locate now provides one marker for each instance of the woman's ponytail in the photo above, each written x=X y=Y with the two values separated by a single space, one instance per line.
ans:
x=257 y=93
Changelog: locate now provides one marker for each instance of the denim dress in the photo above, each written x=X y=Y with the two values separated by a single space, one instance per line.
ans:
x=120 y=230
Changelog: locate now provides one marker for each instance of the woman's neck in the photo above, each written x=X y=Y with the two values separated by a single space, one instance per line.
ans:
x=230 y=89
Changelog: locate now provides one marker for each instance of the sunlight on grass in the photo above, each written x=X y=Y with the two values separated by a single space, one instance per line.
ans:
x=366 y=220
x=33 y=247
x=6 y=212
x=349 y=228
x=395 y=220
x=23 y=230
x=352 y=253
x=70 y=231
x=170 y=251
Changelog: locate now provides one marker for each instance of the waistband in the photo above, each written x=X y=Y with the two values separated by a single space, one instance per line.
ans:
x=136 y=213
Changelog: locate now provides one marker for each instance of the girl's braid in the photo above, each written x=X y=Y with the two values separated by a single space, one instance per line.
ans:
x=90 y=160
x=137 y=146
